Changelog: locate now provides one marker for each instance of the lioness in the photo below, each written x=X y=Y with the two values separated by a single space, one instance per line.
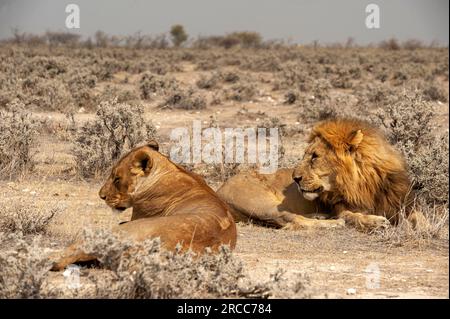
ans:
x=349 y=171
x=167 y=201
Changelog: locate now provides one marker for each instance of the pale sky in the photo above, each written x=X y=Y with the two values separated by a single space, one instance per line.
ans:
x=301 y=21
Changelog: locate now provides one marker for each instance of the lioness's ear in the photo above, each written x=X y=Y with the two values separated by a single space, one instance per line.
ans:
x=142 y=163
x=153 y=144
x=354 y=139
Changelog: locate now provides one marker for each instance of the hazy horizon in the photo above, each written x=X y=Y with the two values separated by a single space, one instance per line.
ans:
x=295 y=21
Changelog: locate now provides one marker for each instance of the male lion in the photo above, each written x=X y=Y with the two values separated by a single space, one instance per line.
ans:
x=349 y=171
x=167 y=201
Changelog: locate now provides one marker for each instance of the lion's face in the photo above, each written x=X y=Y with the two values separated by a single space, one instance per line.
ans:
x=314 y=174
x=117 y=190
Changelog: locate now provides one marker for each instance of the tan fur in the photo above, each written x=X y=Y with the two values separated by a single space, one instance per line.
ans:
x=348 y=171
x=167 y=201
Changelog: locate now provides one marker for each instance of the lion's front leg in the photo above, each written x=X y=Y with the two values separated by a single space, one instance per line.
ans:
x=70 y=255
x=361 y=221
x=302 y=222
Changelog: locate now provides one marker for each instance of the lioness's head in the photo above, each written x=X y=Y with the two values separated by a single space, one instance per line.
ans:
x=117 y=190
x=329 y=156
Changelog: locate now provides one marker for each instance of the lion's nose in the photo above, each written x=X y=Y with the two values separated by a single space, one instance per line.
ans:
x=298 y=179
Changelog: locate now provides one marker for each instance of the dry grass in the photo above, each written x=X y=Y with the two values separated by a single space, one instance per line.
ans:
x=17 y=134
x=431 y=223
x=26 y=217
x=23 y=267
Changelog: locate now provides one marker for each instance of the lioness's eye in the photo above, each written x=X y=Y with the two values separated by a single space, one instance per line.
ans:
x=314 y=156
x=116 y=180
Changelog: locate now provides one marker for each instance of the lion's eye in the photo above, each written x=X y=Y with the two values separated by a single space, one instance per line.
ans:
x=314 y=156
x=116 y=181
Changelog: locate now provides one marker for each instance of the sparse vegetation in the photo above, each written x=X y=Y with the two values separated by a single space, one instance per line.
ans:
x=23 y=268
x=409 y=124
x=117 y=128
x=70 y=107
x=144 y=270
x=26 y=217
x=184 y=99
x=17 y=135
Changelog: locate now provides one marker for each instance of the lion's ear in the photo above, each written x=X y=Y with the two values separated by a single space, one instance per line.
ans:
x=354 y=139
x=142 y=163
x=153 y=144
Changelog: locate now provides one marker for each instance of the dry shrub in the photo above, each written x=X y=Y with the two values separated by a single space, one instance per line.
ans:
x=433 y=92
x=291 y=97
x=117 y=128
x=23 y=267
x=151 y=84
x=241 y=92
x=230 y=77
x=319 y=109
x=144 y=270
x=409 y=125
x=391 y=44
x=208 y=82
x=81 y=84
x=26 y=216
x=293 y=76
x=17 y=135
x=184 y=99
x=374 y=94
x=50 y=94
x=433 y=225
x=110 y=92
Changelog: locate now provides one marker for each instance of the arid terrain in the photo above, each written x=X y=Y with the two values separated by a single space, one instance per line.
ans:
x=53 y=194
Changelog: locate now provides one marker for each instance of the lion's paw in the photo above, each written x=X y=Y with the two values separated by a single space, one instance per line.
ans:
x=306 y=223
x=373 y=222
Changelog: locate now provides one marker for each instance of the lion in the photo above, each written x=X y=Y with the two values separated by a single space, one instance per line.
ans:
x=168 y=202
x=349 y=174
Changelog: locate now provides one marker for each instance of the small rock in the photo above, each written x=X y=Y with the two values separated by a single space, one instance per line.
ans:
x=351 y=291
x=81 y=110
x=332 y=268
x=33 y=193
x=429 y=270
x=297 y=123
x=344 y=252
x=25 y=190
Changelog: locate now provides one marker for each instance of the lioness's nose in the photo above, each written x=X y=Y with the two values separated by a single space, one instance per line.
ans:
x=298 y=179
x=102 y=194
